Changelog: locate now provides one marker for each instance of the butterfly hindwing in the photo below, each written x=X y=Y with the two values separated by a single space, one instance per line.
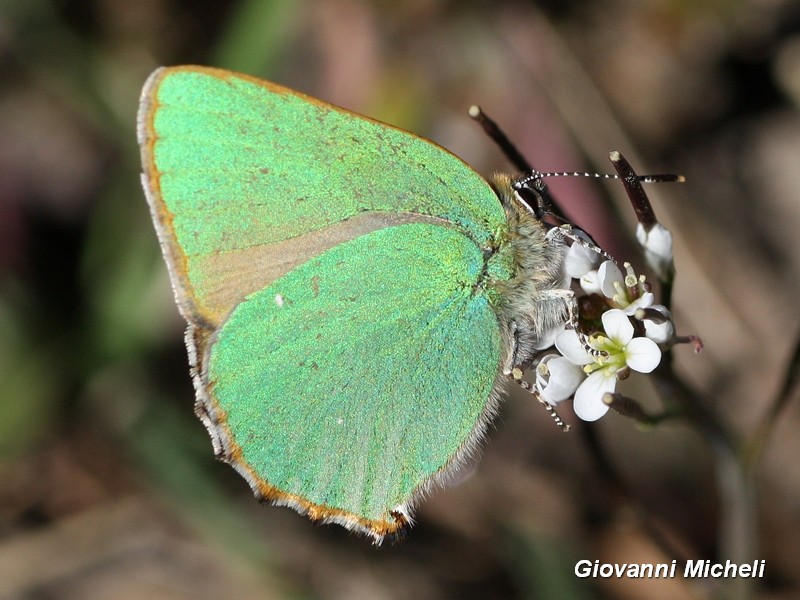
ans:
x=358 y=378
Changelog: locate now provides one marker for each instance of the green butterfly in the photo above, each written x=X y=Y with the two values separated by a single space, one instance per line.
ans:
x=356 y=296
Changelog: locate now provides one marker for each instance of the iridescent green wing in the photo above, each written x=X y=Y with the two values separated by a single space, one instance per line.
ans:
x=331 y=269
x=359 y=378
x=247 y=179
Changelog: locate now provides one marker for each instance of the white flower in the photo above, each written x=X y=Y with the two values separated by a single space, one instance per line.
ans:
x=659 y=332
x=557 y=378
x=588 y=403
x=617 y=350
x=549 y=337
x=640 y=354
x=625 y=292
x=568 y=343
x=610 y=276
x=590 y=283
x=657 y=246
x=580 y=260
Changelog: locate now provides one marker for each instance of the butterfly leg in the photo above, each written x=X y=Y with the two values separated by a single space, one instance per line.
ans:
x=567 y=296
x=578 y=236
x=516 y=371
x=516 y=376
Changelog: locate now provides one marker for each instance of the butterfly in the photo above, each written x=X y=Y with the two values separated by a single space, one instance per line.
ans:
x=356 y=296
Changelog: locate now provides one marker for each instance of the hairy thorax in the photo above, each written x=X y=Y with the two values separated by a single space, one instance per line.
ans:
x=527 y=278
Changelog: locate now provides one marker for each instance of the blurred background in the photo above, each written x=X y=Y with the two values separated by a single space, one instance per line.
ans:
x=108 y=485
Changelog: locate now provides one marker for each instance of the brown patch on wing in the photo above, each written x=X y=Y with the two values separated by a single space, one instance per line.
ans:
x=226 y=278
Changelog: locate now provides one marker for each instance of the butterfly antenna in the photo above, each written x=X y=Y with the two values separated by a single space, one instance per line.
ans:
x=656 y=178
x=540 y=198
x=532 y=187
x=500 y=138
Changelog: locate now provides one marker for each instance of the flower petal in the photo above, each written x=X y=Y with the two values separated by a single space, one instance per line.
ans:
x=643 y=301
x=609 y=274
x=590 y=283
x=659 y=332
x=549 y=337
x=589 y=404
x=657 y=245
x=617 y=326
x=562 y=380
x=642 y=354
x=580 y=260
x=569 y=344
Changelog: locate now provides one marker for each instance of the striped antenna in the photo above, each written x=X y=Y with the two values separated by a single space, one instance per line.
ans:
x=659 y=178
